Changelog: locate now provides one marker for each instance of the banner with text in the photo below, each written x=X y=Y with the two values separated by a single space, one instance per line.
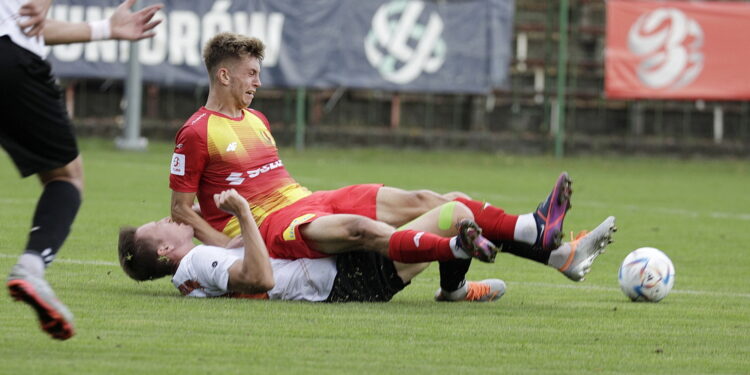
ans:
x=678 y=50
x=400 y=45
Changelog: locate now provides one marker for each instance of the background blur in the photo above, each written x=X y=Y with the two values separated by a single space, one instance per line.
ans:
x=493 y=85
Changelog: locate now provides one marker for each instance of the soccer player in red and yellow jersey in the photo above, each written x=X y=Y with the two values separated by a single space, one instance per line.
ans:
x=226 y=145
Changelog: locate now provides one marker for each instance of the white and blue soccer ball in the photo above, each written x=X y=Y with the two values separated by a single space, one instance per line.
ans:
x=646 y=275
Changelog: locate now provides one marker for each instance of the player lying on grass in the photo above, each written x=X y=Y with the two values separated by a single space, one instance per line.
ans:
x=163 y=248
x=226 y=145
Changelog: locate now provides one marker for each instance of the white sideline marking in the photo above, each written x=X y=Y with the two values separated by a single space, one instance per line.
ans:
x=609 y=289
x=545 y=285
x=71 y=261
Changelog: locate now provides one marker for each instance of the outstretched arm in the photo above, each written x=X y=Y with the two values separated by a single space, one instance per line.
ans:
x=254 y=274
x=123 y=24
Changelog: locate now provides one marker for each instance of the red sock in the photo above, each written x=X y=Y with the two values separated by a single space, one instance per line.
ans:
x=496 y=224
x=411 y=246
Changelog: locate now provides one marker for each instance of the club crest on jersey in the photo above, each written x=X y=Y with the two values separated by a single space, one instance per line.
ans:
x=177 y=166
x=289 y=234
x=265 y=136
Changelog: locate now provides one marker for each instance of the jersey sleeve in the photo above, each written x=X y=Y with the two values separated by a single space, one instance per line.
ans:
x=188 y=160
x=211 y=268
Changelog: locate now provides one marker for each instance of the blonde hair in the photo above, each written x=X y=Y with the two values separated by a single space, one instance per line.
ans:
x=230 y=46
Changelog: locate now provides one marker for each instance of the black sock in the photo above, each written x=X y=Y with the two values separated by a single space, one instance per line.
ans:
x=453 y=274
x=55 y=212
x=524 y=251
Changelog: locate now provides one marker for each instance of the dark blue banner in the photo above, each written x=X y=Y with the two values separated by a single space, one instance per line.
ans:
x=399 y=45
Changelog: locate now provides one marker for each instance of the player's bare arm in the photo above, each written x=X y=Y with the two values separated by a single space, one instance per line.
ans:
x=123 y=24
x=254 y=273
x=182 y=212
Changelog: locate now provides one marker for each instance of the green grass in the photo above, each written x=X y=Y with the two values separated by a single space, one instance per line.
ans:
x=697 y=211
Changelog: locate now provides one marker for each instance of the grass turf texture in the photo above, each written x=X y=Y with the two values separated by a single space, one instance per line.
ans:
x=696 y=211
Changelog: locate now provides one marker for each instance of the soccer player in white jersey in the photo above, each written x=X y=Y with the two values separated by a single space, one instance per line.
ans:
x=158 y=249
x=39 y=137
x=162 y=248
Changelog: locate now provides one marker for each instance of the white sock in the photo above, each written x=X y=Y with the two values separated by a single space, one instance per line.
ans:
x=33 y=263
x=457 y=252
x=525 y=230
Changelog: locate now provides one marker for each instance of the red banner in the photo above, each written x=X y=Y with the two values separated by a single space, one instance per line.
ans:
x=678 y=50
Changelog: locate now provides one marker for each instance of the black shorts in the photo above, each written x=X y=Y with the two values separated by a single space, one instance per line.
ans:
x=35 y=129
x=365 y=277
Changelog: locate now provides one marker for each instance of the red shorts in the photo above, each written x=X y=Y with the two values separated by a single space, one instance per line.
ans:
x=280 y=230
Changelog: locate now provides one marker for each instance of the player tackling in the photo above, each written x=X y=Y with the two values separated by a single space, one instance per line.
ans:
x=226 y=145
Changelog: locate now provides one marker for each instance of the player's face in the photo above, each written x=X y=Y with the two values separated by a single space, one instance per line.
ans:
x=245 y=80
x=166 y=231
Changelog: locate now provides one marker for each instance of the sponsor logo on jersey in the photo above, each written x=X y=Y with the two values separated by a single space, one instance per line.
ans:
x=417 y=237
x=232 y=147
x=236 y=178
x=289 y=234
x=268 y=167
x=178 y=164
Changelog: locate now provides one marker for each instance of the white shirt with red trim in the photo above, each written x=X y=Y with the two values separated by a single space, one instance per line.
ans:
x=204 y=272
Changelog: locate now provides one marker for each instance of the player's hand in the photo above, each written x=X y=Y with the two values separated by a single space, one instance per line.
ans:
x=127 y=25
x=235 y=243
x=36 y=13
x=231 y=201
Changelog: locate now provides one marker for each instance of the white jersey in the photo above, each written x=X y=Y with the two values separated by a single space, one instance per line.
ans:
x=9 y=19
x=204 y=272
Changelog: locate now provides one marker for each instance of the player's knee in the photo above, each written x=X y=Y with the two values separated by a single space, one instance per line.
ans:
x=367 y=233
x=461 y=211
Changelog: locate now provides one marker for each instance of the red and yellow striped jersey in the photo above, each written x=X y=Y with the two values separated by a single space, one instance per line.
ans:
x=214 y=152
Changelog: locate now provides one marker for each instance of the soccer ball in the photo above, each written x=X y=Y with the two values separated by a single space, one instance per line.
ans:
x=647 y=275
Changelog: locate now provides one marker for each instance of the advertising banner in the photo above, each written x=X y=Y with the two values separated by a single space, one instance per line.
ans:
x=677 y=50
x=400 y=45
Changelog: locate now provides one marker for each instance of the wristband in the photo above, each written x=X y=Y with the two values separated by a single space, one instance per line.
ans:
x=100 y=30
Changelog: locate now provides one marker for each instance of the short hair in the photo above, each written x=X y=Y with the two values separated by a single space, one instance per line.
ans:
x=226 y=46
x=138 y=257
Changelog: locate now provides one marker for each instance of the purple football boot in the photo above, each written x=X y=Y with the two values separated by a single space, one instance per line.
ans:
x=551 y=213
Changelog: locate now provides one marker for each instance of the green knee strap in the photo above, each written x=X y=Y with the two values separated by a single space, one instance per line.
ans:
x=445 y=218
x=446 y=215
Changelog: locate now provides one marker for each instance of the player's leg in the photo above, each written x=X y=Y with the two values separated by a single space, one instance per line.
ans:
x=533 y=235
x=444 y=221
x=53 y=217
x=39 y=137
x=574 y=258
x=398 y=207
x=339 y=233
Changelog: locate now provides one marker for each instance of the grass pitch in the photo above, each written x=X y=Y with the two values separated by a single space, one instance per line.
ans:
x=697 y=211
